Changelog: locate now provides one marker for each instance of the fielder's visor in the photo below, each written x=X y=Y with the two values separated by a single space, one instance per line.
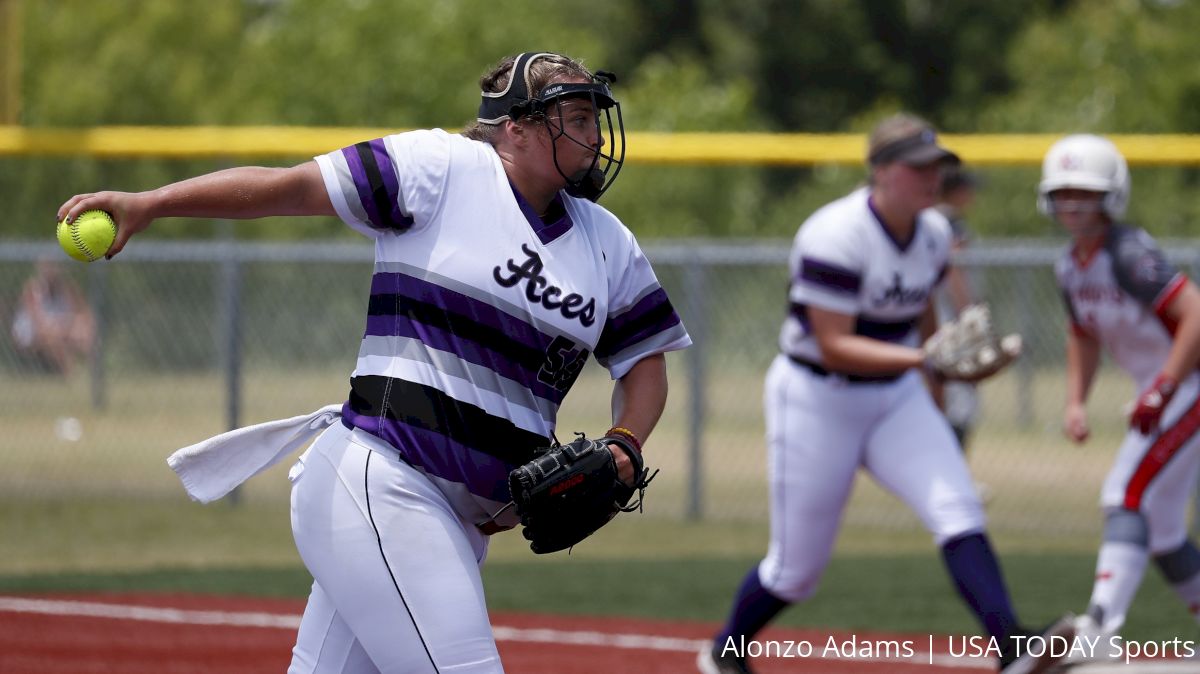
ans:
x=919 y=149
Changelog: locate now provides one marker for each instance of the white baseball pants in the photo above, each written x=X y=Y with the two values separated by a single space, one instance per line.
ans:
x=820 y=431
x=1155 y=474
x=396 y=576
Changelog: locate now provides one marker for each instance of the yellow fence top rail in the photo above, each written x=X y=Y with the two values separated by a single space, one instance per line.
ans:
x=780 y=149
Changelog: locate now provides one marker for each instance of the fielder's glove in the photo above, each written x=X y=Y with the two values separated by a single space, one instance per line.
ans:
x=569 y=491
x=966 y=349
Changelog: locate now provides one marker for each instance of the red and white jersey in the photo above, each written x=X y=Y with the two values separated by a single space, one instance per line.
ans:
x=1119 y=295
x=844 y=259
x=482 y=313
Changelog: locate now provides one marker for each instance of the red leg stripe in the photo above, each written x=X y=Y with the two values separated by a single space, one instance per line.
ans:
x=1160 y=453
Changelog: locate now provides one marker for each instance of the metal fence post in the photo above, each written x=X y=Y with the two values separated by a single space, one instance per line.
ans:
x=695 y=276
x=230 y=270
x=98 y=297
x=1025 y=366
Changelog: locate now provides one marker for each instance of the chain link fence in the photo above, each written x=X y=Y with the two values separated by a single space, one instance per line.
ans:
x=194 y=338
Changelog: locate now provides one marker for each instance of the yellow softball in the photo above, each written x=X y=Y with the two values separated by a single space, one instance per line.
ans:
x=89 y=236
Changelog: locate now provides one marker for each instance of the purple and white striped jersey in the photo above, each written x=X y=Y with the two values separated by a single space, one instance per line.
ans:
x=1119 y=296
x=481 y=313
x=844 y=260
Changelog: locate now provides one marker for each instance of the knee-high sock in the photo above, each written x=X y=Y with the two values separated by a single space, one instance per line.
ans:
x=1181 y=568
x=1120 y=566
x=976 y=574
x=1119 y=571
x=753 y=607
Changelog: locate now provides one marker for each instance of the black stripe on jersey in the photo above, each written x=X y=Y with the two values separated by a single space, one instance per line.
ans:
x=379 y=193
x=887 y=331
x=430 y=409
x=461 y=327
x=831 y=276
x=800 y=312
x=612 y=342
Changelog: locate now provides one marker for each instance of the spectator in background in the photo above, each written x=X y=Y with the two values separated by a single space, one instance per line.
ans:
x=960 y=400
x=53 y=323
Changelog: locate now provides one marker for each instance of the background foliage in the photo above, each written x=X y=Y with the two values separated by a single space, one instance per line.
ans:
x=685 y=65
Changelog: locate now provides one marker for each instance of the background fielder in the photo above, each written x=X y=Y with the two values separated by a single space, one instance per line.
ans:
x=847 y=393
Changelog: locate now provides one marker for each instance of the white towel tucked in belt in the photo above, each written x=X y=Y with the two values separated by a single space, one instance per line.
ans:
x=214 y=467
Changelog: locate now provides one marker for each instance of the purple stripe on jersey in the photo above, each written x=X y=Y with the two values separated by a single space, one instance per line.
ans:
x=375 y=180
x=460 y=304
x=437 y=454
x=887 y=331
x=504 y=364
x=396 y=219
x=663 y=322
x=649 y=316
x=830 y=276
x=361 y=183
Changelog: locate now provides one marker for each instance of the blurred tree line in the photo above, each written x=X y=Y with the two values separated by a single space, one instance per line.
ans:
x=1125 y=66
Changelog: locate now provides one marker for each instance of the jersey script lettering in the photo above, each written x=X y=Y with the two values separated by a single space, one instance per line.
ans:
x=550 y=297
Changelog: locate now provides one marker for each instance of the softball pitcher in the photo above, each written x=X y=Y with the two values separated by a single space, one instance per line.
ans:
x=496 y=277
x=847 y=394
x=1122 y=295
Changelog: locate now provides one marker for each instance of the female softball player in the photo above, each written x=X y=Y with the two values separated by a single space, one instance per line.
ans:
x=847 y=393
x=1122 y=294
x=496 y=276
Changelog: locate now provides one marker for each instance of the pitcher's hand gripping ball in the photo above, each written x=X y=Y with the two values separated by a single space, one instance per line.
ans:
x=967 y=349
x=89 y=236
x=569 y=491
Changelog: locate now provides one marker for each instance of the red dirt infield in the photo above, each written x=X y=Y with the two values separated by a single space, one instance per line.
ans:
x=176 y=633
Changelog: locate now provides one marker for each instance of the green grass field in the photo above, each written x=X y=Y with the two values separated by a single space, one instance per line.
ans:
x=650 y=568
x=1029 y=468
x=105 y=513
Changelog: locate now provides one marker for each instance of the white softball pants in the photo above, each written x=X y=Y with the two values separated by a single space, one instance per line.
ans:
x=820 y=431
x=1156 y=474
x=396 y=584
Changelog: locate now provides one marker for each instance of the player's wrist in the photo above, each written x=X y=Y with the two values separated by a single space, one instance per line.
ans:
x=1165 y=384
x=157 y=203
x=627 y=435
x=927 y=367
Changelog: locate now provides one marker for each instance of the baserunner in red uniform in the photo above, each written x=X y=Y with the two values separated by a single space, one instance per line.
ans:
x=1124 y=296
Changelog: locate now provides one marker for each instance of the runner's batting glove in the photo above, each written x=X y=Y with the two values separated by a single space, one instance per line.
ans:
x=1149 y=408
